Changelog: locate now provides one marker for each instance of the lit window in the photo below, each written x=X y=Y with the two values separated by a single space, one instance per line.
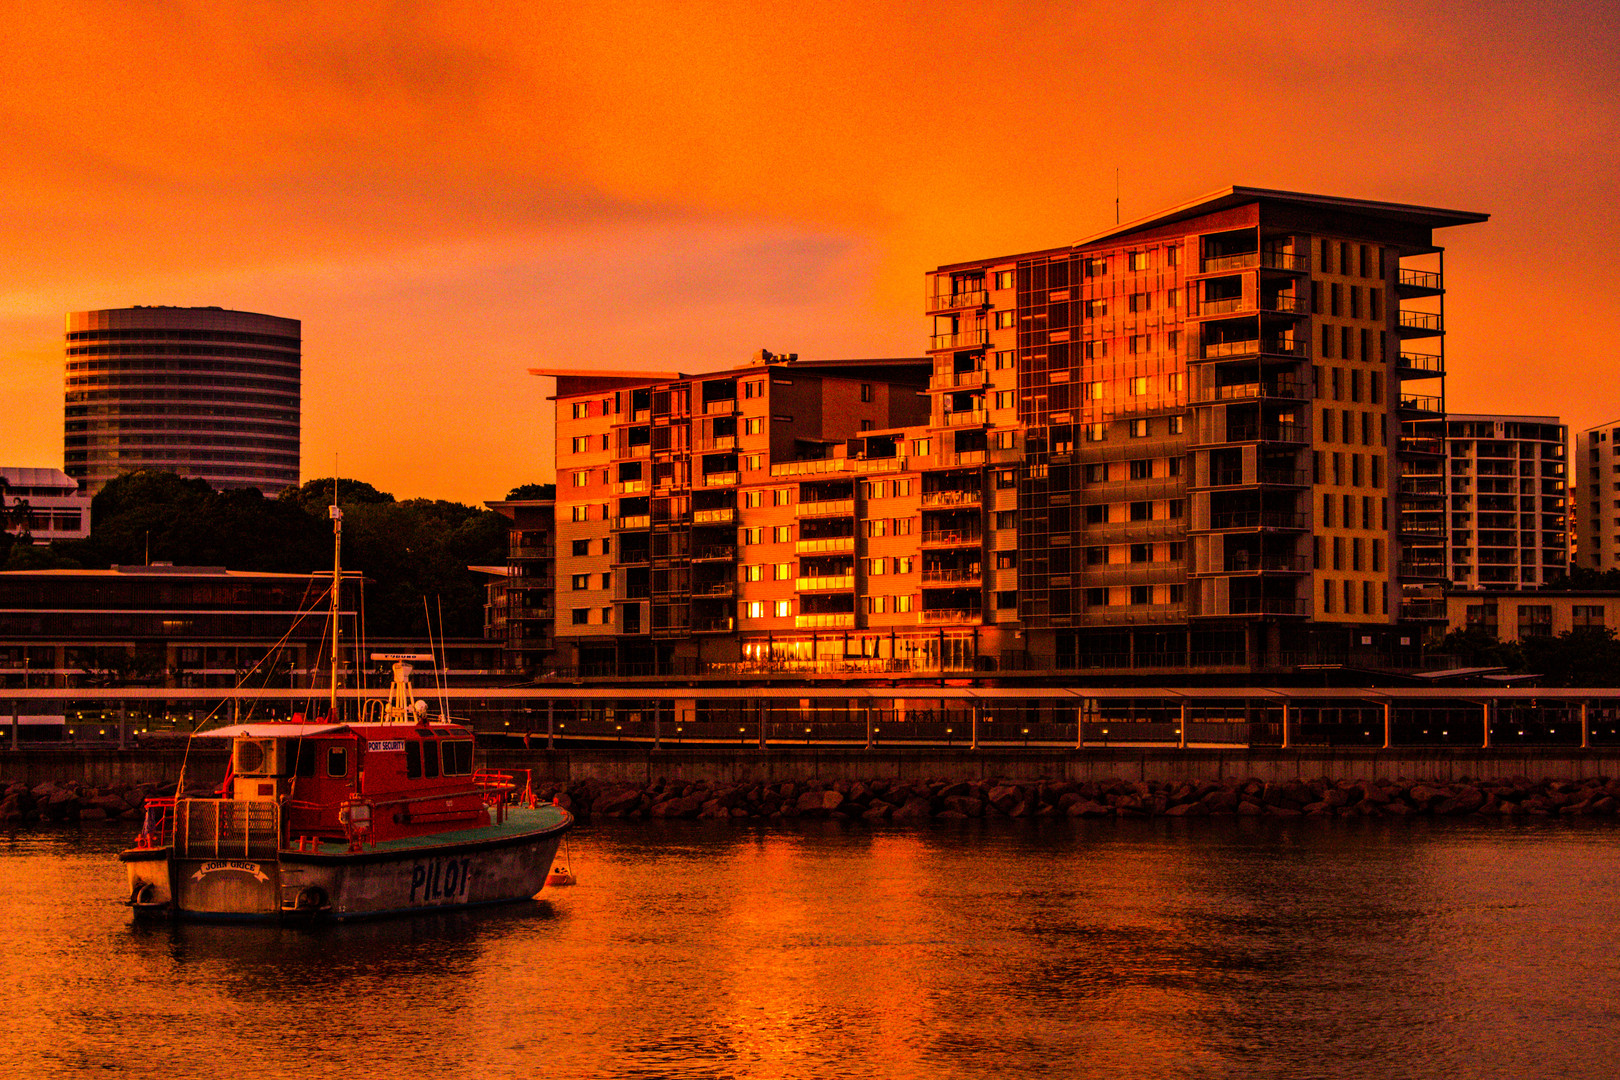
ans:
x=756 y=609
x=1094 y=391
x=581 y=479
x=581 y=581
x=1139 y=386
x=875 y=605
x=755 y=572
x=1005 y=279
x=1004 y=399
x=902 y=603
x=877 y=566
x=582 y=409
x=782 y=534
x=782 y=497
x=1139 y=429
x=784 y=608
x=580 y=513
x=784 y=571
x=1138 y=260
x=753 y=425
x=753 y=536
x=582 y=444
x=754 y=498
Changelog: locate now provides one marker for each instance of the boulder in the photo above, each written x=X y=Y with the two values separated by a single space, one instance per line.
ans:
x=1220 y=801
x=951 y=815
x=915 y=809
x=966 y=805
x=1187 y=809
x=1250 y=808
x=616 y=802
x=1005 y=796
x=1088 y=808
x=819 y=803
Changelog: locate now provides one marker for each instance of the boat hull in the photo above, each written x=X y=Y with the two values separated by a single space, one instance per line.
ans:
x=478 y=867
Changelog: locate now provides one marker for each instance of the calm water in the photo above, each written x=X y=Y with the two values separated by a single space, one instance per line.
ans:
x=1163 y=948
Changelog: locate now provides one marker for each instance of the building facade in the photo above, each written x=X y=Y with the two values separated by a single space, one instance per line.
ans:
x=1177 y=445
x=1515 y=616
x=1504 y=482
x=1595 y=477
x=43 y=504
x=202 y=392
x=520 y=610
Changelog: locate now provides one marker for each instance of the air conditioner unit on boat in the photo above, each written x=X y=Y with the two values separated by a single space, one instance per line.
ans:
x=257 y=757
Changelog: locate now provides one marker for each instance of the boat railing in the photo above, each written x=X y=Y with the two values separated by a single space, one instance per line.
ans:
x=227 y=828
x=500 y=791
x=157 y=829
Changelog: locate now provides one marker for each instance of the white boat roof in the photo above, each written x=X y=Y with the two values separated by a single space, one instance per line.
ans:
x=277 y=730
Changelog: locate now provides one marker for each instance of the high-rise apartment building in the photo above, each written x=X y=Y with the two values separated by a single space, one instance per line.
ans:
x=521 y=611
x=1595 y=477
x=1504 y=486
x=202 y=392
x=1174 y=445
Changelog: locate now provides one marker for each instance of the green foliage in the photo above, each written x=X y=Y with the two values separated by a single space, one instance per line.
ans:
x=412 y=549
x=39 y=557
x=1585 y=579
x=1587 y=656
x=533 y=491
x=315 y=496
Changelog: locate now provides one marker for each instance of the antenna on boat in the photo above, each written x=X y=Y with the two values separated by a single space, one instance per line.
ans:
x=336 y=514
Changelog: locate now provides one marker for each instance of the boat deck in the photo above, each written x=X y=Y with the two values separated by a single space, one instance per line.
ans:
x=520 y=821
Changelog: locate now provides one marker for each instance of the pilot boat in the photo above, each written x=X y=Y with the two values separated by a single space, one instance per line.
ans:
x=383 y=814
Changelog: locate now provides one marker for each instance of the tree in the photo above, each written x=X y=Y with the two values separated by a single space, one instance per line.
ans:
x=315 y=496
x=533 y=491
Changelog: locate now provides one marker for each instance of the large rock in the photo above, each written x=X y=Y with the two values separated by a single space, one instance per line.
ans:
x=1088 y=808
x=1005 y=796
x=614 y=803
x=819 y=803
x=915 y=809
x=1219 y=801
x=966 y=805
x=878 y=810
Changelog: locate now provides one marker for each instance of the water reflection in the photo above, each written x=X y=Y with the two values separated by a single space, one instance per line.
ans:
x=1282 y=948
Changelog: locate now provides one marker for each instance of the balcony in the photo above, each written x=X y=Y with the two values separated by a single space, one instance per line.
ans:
x=952 y=576
x=1268 y=433
x=951 y=498
x=720 y=406
x=1423 y=404
x=1241 y=562
x=629 y=487
x=1269 y=259
x=633 y=521
x=1426 y=610
x=825 y=545
x=953 y=538
x=717 y=442
x=829 y=620
x=714 y=589
x=1413 y=365
x=720 y=515
x=1278 y=304
x=713 y=552
x=1249 y=520
x=833 y=583
x=1272 y=389
x=1420 y=324
x=965 y=339
x=1228 y=350
x=1421 y=446
x=967 y=418
x=714 y=626
x=953 y=301
x=952 y=615
x=720 y=479
x=531 y=551
x=1413 y=283
x=827 y=508
x=948 y=380
x=1262 y=477
x=1435 y=530
x=1263 y=605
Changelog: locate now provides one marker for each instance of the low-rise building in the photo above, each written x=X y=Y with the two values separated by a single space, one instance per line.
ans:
x=1520 y=614
x=43 y=505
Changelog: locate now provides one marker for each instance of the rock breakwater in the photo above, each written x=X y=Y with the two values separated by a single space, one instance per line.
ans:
x=910 y=802
x=54 y=801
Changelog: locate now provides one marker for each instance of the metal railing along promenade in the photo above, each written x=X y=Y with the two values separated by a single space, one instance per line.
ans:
x=661 y=715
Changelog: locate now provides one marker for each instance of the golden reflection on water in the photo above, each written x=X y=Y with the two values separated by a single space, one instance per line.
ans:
x=1163 y=948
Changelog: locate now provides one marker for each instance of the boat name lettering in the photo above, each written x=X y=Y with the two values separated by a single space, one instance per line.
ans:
x=230 y=864
x=383 y=746
x=439 y=880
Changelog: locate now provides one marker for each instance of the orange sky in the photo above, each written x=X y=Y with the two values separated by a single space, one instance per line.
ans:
x=449 y=194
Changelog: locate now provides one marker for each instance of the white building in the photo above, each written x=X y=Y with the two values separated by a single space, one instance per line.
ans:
x=56 y=509
x=1506 y=487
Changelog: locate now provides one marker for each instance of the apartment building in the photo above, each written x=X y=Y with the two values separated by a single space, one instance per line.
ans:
x=1504 y=486
x=1596 y=480
x=43 y=504
x=1515 y=616
x=520 y=608
x=1174 y=445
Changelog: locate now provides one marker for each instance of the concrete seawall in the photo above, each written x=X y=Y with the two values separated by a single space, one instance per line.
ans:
x=642 y=765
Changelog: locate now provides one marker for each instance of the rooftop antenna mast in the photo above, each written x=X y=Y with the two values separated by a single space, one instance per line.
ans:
x=1116 y=194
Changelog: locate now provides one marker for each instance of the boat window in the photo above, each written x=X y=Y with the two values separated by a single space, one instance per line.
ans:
x=430 y=757
x=306 y=757
x=458 y=757
x=337 y=761
x=413 y=759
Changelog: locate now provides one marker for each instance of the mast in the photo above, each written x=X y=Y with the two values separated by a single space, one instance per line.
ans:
x=336 y=515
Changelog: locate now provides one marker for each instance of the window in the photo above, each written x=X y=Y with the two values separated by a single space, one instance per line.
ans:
x=753 y=425
x=581 y=616
x=782 y=534
x=1003 y=440
x=783 y=571
x=1097 y=473
x=1096 y=309
x=1094 y=432
x=1006 y=479
x=1176 y=423
x=782 y=497
x=1005 y=399
x=581 y=478
x=581 y=581
x=582 y=409
x=866 y=391
x=756 y=609
x=1141 y=553
x=582 y=444
x=1140 y=343
x=1096 y=556
x=1172 y=467
x=755 y=572
x=607 y=616
x=902 y=603
x=1141 y=469
x=1137 y=260
x=580 y=513
x=1093 y=391
x=1141 y=594
x=580 y=547
x=1139 y=429
x=1172 y=257
x=1097 y=514
x=754 y=461
x=903 y=564
x=1096 y=267
x=1005 y=320
x=1006 y=519
x=1006 y=560
x=1096 y=598
x=876 y=605
x=1139 y=386
x=1141 y=511
x=607 y=546
x=1094 y=350
x=901 y=488
x=784 y=608
x=337 y=761
x=753 y=498
x=922 y=447
x=877 y=566
x=753 y=536
x=1006 y=279
x=607 y=579
x=1176 y=508
x=1007 y=599
x=1141 y=301
x=877 y=527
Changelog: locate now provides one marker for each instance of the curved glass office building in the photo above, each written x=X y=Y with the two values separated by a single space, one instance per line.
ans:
x=202 y=392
